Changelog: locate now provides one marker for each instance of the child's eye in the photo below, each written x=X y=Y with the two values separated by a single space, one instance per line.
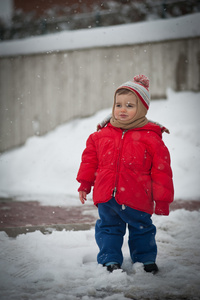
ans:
x=118 y=105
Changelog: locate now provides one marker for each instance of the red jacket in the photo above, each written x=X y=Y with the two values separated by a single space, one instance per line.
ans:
x=132 y=165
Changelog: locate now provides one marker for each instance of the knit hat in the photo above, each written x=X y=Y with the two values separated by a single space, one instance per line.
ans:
x=139 y=85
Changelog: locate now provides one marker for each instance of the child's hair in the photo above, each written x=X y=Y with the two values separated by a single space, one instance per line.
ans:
x=123 y=91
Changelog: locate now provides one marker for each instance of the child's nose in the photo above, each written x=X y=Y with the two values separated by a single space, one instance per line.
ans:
x=123 y=108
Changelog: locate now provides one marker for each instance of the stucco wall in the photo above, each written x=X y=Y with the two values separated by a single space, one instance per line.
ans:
x=39 y=92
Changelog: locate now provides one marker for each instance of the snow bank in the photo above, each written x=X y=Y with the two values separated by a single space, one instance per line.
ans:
x=45 y=167
x=63 y=266
x=141 y=32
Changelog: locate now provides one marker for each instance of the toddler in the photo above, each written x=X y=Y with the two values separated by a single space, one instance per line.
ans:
x=128 y=164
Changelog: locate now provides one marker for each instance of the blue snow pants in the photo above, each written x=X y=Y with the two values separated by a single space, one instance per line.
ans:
x=111 y=228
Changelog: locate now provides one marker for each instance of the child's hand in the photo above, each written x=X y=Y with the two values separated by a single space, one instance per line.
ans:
x=82 y=196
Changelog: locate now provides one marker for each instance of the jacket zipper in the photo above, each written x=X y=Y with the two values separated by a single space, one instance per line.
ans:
x=118 y=163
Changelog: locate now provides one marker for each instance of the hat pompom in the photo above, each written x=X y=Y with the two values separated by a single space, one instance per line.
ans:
x=142 y=79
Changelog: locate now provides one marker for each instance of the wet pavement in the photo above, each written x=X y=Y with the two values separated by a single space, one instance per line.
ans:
x=32 y=213
x=17 y=217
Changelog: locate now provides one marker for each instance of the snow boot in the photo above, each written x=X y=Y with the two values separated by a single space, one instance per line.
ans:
x=151 y=268
x=112 y=267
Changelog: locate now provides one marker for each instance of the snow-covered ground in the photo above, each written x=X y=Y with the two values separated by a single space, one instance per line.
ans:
x=62 y=265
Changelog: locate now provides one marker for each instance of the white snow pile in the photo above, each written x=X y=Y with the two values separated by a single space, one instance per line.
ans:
x=63 y=266
x=45 y=167
x=136 y=33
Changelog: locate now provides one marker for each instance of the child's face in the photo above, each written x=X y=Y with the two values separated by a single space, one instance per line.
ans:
x=125 y=107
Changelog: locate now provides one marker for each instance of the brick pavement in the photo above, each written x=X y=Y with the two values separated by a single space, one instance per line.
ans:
x=17 y=217
x=31 y=213
x=21 y=217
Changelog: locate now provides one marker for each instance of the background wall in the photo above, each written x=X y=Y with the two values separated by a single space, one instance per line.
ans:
x=39 y=92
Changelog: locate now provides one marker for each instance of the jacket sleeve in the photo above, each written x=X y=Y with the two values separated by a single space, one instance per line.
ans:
x=162 y=182
x=88 y=167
